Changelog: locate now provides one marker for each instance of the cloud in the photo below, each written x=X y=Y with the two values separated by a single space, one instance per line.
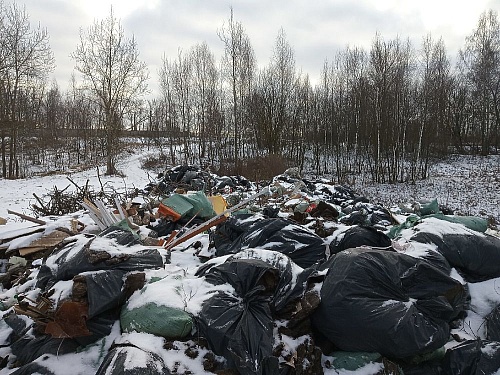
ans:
x=316 y=30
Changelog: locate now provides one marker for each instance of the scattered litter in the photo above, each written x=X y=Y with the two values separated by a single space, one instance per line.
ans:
x=199 y=273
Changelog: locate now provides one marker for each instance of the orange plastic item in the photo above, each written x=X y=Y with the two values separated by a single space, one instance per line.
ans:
x=168 y=212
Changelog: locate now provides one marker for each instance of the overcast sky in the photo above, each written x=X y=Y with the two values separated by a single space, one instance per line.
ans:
x=316 y=29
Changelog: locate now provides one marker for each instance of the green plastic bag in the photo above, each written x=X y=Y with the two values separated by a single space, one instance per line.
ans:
x=429 y=208
x=472 y=222
x=352 y=361
x=158 y=320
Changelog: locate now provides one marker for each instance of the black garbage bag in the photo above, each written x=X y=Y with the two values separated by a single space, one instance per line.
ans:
x=19 y=326
x=99 y=327
x=292 y=280
x=239 y=326
x=426 y=368
x=92 y=255
x=131 y=360
x=386 y=302
x=27 y=348
x=364 y=213
x=122 y=234
x=233 y=182
x=338 y=195
x=163 y=227
x=474 y=254
x=361 y=236
x=473 y=357
x=104 y=291
x=493 y=324
x=325 y=210
x=32 y=368
x=304 y=247
x=228 y=234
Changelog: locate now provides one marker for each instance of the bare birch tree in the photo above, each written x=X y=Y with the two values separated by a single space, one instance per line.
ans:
x=113 y=74
x=480 y=63
x=238 y=70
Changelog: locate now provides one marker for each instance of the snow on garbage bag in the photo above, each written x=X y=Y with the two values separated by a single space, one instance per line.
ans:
x=131 y=360
x=304 y=247
x=239 y=325
x=474 y=223
x=387 y=302
x=122 y=233
x=476 y=255
x=97 y=253
x=165 y=307
x=357 y=236
x=290 y=284
x=472 y=357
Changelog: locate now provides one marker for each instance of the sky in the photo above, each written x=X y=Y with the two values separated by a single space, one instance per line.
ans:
x=315 y=29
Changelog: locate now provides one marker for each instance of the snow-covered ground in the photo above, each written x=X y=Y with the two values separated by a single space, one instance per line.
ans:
x=469 y=185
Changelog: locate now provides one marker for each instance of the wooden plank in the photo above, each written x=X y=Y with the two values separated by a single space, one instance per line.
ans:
x=30 y=250
x=46 y=242
x=13 y=234
x=94 y=214
x=26 y=217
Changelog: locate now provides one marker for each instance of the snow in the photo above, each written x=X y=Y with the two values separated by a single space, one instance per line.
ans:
x=467 y=184
x=438 y=227
x=178 y=290
x=177 y=286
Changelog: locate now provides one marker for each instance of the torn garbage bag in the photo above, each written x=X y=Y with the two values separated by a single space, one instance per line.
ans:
x=304 y=247
x=387 y=302
x=239 y=326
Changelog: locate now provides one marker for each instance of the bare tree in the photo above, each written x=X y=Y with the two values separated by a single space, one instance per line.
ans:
x=480 y=64
x=277 y=87
x=431 y=115
x=239 y=71
x=113 y=74
x=25 y=62
x=205 y=80
x=390 y=75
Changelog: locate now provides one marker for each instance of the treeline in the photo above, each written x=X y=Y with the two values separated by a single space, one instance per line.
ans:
x=386 y=112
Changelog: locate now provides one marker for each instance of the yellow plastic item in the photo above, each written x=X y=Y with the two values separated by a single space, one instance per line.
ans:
x=218 y=203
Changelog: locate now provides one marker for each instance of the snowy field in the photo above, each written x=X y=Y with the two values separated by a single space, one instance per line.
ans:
x=467 y=185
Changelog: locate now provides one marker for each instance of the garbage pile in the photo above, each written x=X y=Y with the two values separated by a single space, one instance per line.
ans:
x=210 y=274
